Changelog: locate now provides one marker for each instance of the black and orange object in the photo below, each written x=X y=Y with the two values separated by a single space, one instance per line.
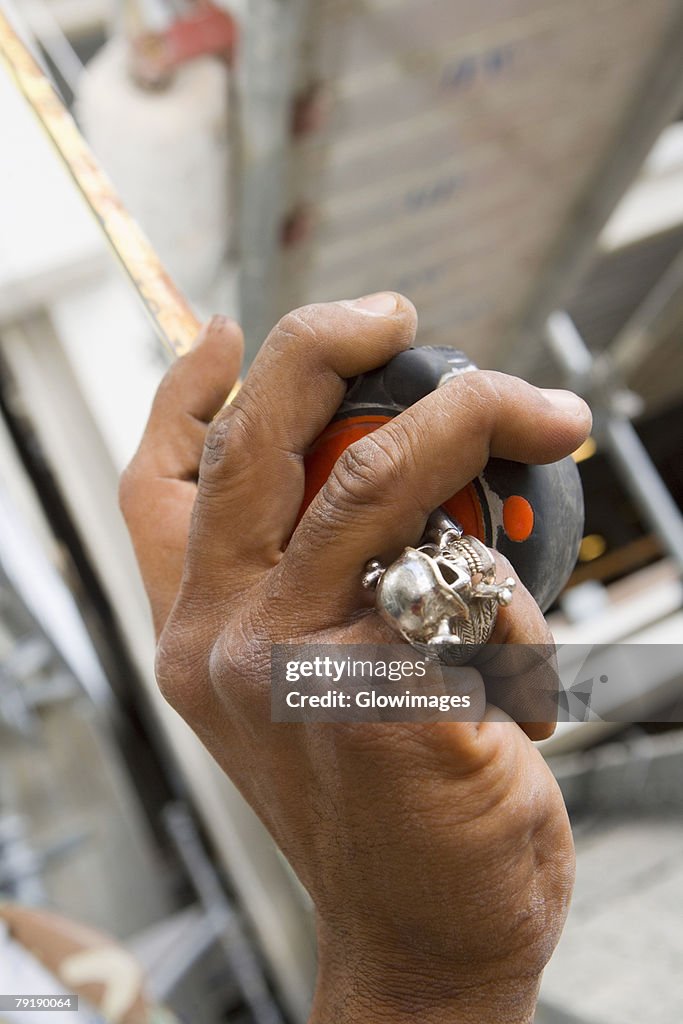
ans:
x=531 y=514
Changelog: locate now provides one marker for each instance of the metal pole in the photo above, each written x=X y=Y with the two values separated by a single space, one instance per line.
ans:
x=221 y=918
x=618 y=435
x=662 y=305
x=266 y=81
x=641 y=478
x=46 y=29
x=656 y=102
x=171 y=315
x=569 y=349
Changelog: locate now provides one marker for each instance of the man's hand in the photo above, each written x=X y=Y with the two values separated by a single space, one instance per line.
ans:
x=439 y=857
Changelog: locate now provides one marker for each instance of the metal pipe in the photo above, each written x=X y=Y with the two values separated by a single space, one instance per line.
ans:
x=642 y=480
x=661 y=306
x=617 y=434
x=172 y=317
x=221 y=918
x=46 y=29
x=655 y=103
x=266 y=82
x=569 y=348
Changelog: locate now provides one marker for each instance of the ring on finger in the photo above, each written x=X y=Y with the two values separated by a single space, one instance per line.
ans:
x=442 y=597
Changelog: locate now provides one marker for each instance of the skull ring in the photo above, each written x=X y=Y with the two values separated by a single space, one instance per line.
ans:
x=442 y=597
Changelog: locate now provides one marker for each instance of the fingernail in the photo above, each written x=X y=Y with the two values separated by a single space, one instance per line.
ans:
x=379 y=304
x=565 y=401
x=213 y=326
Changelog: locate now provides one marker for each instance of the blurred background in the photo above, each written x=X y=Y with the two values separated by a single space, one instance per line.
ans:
x=516 y=168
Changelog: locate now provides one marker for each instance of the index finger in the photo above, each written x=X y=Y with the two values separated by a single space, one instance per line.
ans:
x=383 y=487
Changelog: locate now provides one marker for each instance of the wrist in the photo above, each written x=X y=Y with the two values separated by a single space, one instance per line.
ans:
x=354 y=988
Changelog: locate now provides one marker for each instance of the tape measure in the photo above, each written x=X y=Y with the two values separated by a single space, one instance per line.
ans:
x=531 y=514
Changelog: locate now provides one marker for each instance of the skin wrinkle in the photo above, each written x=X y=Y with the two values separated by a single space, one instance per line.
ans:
x=221 y=439
x=480 y=394
x=437 y=855
x=400 y=996
x=433 y=488
x=198 y=421
x=298 y=317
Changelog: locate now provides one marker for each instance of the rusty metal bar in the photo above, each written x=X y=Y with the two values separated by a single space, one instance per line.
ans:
x=174 y=320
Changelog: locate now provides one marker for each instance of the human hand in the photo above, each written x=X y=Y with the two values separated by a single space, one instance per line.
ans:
x=439 y=857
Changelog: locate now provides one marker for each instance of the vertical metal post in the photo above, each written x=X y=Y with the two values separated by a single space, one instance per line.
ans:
x=267 y=78
x=618 y=436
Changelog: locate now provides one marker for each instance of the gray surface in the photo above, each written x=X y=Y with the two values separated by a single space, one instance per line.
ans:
x=619 y=958
x=70 y=781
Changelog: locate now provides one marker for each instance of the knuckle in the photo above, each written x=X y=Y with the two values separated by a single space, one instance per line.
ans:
x=180 y=668
x=238 y=656
x=478 y=394
x=368 y=472
x=357 y=473
x=167 y=669
x=298 y=328
x=239 y=664
x=128 y=491
x=217 y=440
x=225 y=444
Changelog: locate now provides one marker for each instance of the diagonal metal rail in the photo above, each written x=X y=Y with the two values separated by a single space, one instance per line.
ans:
x=172 y=317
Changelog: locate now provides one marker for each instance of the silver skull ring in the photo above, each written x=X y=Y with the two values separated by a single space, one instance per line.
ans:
x=442 y=597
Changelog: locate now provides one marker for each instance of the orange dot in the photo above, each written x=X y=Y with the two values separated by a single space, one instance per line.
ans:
x=518 y=518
